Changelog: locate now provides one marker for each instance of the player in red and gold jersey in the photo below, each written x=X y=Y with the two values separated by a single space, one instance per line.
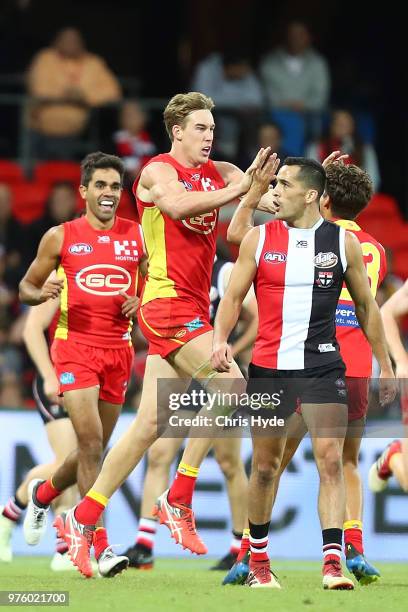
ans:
x=97 y=258
x=178 y=196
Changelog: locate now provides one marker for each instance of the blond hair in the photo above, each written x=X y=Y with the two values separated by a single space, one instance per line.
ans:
x=181 y=105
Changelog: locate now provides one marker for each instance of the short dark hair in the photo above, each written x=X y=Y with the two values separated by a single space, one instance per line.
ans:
x=98 y=161
x=349 y=188
x=311 y=172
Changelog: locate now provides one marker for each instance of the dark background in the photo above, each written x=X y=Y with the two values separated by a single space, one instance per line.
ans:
x=159 y=42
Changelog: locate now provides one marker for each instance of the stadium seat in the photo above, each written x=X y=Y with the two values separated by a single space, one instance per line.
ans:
x=293 y=129
x=10 y=172
x=55 y=171
x=381 y=205
x=400 y=259
x=29 y=200
x=127 y=207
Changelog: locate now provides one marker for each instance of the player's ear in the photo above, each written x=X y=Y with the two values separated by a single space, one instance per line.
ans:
x=82 y=191
x=311 y=196
x=177 y=132
x=324 y=201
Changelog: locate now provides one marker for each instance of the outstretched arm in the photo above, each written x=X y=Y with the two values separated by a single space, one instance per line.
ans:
x=159 y=184
x=368 y=315
x=228 y=311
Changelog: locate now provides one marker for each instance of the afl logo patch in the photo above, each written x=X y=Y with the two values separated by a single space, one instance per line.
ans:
x=274 y=257
x=180 y=333
x=80 y=248
x=325 y=260
x=202 y=224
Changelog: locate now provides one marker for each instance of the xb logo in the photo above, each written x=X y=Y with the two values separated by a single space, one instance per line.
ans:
x=103 y=279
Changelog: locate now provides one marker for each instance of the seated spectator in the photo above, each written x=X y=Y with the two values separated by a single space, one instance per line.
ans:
x=12 y=239
x=132 y=141
x=343 y=136
x=230 y=81
x=66 y=81
x=60 y=207
x=11 y=361
x=269 y=135
x=296 y=77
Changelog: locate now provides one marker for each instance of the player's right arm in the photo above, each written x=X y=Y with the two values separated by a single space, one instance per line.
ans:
x=391 y=311
x=37 y=322
x=159 y=184
x=242 y=275
x=35 y=287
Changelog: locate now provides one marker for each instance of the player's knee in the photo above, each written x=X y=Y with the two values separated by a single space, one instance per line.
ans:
x=229 y=465
x=266 y=469
x=158 y=461
x=91 y=446
x=329 y=463
x=350 y=460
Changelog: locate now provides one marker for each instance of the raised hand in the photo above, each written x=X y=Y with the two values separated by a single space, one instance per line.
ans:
x=335 y=156
x=258 y=162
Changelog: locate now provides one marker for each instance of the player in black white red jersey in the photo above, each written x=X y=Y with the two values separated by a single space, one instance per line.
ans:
x=58 y=427
x=298 y=263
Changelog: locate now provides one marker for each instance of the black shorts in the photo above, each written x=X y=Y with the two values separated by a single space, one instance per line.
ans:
x=47 y=411
x=287 y=389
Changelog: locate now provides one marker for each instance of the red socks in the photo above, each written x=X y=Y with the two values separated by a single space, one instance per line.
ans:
x=182 y=489
x=46 y=493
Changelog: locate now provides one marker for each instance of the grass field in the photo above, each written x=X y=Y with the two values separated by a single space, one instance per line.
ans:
x=184 y=585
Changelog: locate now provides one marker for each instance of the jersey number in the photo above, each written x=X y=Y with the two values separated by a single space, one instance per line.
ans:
x=372 y=267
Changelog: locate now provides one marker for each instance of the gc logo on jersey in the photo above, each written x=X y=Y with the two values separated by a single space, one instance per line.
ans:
x=274 y=257
x=103 y=279
x=202 y=224
x=80 y=248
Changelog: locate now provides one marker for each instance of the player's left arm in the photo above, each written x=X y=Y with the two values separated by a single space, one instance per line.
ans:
x=368 y=314
x=259 y=197
x=242 y=275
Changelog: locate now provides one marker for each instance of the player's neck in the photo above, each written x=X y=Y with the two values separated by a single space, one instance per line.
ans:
x=97 y=224
x=306 y=221
x=182 y=157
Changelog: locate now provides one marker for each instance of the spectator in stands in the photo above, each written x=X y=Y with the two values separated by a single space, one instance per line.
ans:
x=66 y=81
x=12 y=239
x=269 y=135
x=343 y=136
x=132 y=141
x=11 y=362
x=296 y=77
x=60 y=207
x=230 y=81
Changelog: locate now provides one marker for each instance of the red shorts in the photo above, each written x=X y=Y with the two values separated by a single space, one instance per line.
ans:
x=79 y=366
x=169 y=323
x=357 y=392
x=357 y=398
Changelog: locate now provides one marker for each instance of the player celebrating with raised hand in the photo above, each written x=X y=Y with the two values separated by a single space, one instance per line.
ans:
x=348 y=191
x=393 y=461
x=298 y=263
x=178 y=196
x=97 y=258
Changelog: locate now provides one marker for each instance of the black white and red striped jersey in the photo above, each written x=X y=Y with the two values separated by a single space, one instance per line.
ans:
x=298 y=282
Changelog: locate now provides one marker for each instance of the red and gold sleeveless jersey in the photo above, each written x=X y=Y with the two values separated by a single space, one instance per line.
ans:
x=96 y=265
x=181 y=252
x=354 y=347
